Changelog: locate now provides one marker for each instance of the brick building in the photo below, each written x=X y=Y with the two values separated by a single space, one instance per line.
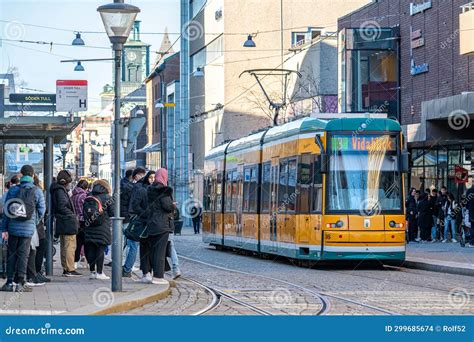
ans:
x=403 y=57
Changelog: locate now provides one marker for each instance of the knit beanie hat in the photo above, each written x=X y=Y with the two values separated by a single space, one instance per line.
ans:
x=64 y=177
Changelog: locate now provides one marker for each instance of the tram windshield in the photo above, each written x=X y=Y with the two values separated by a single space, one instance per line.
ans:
x=364 y=174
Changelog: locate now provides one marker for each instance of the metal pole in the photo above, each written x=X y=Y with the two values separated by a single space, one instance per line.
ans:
x=117 y=220
x=48 y=180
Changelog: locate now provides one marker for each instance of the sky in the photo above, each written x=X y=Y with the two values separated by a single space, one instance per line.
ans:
x=39 y=65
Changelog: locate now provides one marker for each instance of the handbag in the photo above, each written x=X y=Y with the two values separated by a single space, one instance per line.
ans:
x=136 y=230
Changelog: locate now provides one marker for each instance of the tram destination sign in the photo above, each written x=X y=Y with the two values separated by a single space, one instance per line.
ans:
x=32 y=98
x=364 y=143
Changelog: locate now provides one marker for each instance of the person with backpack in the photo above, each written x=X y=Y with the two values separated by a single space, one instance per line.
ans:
x=97 y=211
x=79 y=194
x=138 y=210
x=450 y=210
x=67 y=224
x=24 y=207
x=159 y=224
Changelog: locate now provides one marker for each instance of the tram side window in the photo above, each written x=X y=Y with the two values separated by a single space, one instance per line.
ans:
x=283 y=182
x=235 y=190
x=317 y=193
x=245 y=206
x=228 y=191
x=291 y=190
x=266 y=187
x=219 y=192
x=304 y=184
x=253 y=188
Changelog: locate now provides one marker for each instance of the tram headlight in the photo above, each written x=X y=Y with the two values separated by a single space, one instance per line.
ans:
x=339 y=224
x=393 y=224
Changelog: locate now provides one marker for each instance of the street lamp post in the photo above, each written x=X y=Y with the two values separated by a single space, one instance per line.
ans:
x=118 y=19
x=64 y=150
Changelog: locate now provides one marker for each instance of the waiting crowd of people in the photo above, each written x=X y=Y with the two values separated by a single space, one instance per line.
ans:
x=82 y=223
x=436 y=216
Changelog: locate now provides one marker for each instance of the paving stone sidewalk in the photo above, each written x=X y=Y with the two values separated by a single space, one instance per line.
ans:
x=447 y=257
x=79 y=295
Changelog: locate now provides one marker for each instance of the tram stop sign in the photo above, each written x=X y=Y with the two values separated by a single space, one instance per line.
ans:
x=71 y=95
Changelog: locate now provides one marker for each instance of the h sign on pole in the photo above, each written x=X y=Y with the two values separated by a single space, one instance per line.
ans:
x=71 y=95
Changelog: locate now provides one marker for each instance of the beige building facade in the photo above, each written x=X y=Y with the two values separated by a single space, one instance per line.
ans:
x=297 y=35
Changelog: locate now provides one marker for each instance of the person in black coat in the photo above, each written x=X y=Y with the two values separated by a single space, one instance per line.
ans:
x=470 y=208
x=425 y=218
x=196 y=215
x=412 y=211
x=159 y=224
x=139 y=208
x=67 y=224
x=98 y=237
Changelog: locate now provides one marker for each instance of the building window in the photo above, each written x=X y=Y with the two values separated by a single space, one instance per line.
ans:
x=207 y=54
x=195 y=7
x=369 y=72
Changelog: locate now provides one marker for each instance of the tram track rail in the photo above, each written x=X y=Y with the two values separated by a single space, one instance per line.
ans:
x=322 y=296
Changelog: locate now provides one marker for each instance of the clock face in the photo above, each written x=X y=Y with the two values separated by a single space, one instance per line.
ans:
x=131 y=56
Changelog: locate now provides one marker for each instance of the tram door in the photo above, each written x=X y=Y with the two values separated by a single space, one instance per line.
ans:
x=213 y=202
x=274 y=207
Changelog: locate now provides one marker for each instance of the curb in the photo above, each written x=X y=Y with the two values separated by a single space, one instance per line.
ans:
x=126 y=303
x=443 y=267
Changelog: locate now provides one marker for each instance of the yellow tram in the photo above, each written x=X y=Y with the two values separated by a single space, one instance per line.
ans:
x=310 y=189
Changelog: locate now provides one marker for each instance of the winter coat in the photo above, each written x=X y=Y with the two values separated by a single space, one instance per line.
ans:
x=63 y=210
x=425 y=217
x=160 y=217
x=77 y=198
x=410 y=205
x=139 y=202
x=440 y=202
x=23 y=228
x=470 y=203
x=196 y=214
x=102 y=234
x=126 y=188
x=451 y=211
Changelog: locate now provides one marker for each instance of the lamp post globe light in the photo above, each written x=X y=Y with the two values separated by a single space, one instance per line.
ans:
x=118 y=19
x=64 y=150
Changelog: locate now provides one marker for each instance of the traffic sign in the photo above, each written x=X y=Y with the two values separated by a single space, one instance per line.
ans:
x=71 y=95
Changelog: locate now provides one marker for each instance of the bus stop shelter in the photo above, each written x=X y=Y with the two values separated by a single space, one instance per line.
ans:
x=46 y=130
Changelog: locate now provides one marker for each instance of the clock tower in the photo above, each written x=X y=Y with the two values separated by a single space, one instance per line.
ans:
x=135 y=61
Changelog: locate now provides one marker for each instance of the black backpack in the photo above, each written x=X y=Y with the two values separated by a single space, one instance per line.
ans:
x=22 y=207
x=93 y=211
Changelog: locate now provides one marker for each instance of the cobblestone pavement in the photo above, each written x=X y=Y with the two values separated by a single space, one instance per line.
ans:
x=397 y=290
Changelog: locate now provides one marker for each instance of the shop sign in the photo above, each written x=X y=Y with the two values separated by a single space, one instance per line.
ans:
x=415 y=34
x=417 y=43
x=418 y=69
x=418 y=8
x=460 y=175
x=32 y=98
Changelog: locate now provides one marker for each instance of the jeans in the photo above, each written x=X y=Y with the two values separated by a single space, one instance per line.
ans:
x=196 y=226
x=434 y=228
x=18 y=252
x=447 y=222
x=132 y=247
x=40 y=253
x=173 y=254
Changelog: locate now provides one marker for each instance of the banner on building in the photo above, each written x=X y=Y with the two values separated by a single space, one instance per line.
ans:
x=460 y=174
